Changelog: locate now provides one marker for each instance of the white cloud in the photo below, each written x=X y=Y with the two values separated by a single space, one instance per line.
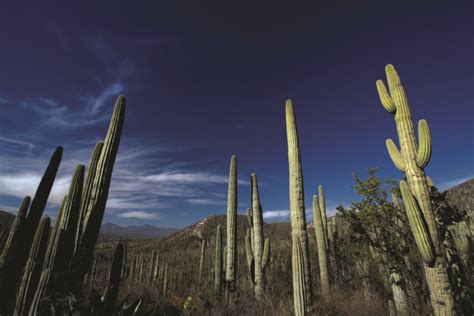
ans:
x=139 y=215
x=276 y=214
x=206 y=202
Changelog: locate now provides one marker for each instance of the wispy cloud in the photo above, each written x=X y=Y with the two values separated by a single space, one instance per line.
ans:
x=279 y=214
x=444 y=185
x=206 y=202
x=139 y=215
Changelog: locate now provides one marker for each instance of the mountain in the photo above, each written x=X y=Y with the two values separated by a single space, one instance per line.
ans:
x=114 y=231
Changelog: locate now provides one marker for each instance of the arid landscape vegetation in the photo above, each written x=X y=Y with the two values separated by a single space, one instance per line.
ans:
x=402 y=248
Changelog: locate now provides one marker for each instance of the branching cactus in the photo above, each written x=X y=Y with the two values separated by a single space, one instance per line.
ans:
x=218 y=263
x=411 y=159
x=321 y=242
x=33 y=268
x=231 y=261
x=257 y=249
x=297 y=207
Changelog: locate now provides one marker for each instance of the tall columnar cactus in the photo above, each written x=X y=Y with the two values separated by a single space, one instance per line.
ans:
x=322 y=208
x=110 y=296
x=231 y=263
x=165 y=279
x=299 y=287
x=33 y=268
x=12 y=265
x=297 y=207
x=201 y=260
x=411 y=159
x=87 y=191
x=94 y=204
x=257 y=249
x=218 y=263
x=15 y=230
x=321 y=242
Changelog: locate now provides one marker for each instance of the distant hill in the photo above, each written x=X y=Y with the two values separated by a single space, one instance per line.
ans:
x=114 y=231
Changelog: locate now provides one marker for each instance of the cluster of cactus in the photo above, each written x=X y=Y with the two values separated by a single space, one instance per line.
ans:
x=321 y=233
x=412 y=159
x=297 y=207
x=257 y=250
x=62 y=260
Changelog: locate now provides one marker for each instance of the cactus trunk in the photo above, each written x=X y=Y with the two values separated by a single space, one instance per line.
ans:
x=411 y=159
x=231 y=261
x=297 y=207
x=321 y=242
x=218 y=263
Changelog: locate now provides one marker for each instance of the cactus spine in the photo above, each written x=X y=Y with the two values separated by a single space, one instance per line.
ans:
x=231 y=262
x=297 y=207
x=218 y=261
x=299 y=286
x=33 y=268
x=411 y=159
x=319 y=230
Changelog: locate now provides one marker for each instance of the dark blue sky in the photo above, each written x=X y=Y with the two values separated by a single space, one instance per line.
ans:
x=205 y=80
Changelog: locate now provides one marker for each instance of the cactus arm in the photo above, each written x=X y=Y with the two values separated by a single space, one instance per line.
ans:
x=395 y=155
x=385 y=98
x=248 y=249
x=418 y=225
x=15 y=231
x=424 y=144
x=322 y=208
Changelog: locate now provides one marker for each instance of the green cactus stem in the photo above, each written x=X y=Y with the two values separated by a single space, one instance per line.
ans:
x=297 y=207
x=231 y=261
x=299 y=288
x=110 y=296
x=411 y=159
x=94 y=205
x=12 y=265
x=33 y=268
x=320 y=241
x=322 y=208
x=218 y=263
x=201 y=260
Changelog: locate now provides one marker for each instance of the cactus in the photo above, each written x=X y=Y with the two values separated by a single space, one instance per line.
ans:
x=297 y=207
x=87 y=191
x=165 y=279
x=231 y=263
x=33 y=268
x=15 y=230
x=218 y=261
x=299 y=286
x=111 y=292
x=319 y=230
x=257 y=249
x=201 y=261
x=95 y=197
x=322 y=208
x=411 y=159
x=12 y=265
x=398 y=291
